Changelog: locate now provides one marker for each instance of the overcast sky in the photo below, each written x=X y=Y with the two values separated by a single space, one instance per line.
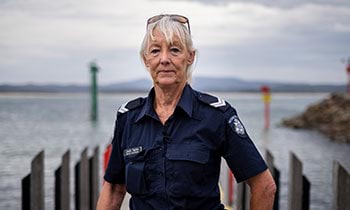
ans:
x=288 y=40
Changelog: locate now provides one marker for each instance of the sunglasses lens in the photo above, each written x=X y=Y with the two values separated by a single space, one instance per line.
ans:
x=154 y=19
x=178 y=18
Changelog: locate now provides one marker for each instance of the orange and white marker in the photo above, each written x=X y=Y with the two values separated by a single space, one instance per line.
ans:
x=267 y=99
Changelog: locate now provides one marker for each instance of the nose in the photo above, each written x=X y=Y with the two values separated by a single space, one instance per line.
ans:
x=164 y=58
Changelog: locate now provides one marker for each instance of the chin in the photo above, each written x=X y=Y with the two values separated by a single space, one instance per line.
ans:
x=167 y=82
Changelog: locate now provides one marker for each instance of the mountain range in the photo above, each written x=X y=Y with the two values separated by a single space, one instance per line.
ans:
x=199 y=83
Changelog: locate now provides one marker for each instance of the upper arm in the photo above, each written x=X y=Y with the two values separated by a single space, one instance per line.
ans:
x=239 y=151
x=115 y=168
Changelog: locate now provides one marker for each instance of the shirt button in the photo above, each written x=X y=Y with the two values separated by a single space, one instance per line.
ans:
x=160 y=173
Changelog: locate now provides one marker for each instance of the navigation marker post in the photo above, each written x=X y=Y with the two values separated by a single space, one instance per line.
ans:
x=267 y=99
x=93 y=71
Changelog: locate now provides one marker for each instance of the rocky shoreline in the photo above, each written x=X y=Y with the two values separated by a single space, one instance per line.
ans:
x=330 y=116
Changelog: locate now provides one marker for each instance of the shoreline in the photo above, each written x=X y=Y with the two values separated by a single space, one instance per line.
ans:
x=330 y=117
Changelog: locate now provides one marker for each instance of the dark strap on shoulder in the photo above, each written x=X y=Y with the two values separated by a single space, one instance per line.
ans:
x=213 y=101
x=133 y=104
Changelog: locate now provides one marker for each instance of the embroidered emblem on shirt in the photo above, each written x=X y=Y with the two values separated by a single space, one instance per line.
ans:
x=219 y=103
x=237 y=125
x=132 y=151
x=123 y=108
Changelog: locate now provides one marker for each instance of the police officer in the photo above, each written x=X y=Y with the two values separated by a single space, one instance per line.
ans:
x=167 y=147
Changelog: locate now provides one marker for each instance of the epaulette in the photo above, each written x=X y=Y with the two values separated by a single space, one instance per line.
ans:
x=133 y=104
x=213 y=101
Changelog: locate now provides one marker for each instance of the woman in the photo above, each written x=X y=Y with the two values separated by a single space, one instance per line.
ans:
x=167 y=147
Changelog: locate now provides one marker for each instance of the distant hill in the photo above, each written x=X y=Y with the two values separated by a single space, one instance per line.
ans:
x=43 y=88
x=199 y=83
x=234 y=84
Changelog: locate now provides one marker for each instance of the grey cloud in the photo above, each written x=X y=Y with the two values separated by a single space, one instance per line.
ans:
x=275 y=3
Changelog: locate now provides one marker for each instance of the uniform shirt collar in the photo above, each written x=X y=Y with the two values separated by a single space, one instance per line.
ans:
x=185 y=103
x=186 y=100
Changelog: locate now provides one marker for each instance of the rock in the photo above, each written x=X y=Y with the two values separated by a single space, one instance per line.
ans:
x=330 y=117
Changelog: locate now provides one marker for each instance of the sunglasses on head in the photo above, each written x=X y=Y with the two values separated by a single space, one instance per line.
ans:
x=178 y=18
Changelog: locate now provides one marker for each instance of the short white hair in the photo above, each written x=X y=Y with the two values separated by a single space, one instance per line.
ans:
x=169 y=28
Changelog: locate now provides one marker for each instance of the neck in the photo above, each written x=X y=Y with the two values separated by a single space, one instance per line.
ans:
x=166 y=100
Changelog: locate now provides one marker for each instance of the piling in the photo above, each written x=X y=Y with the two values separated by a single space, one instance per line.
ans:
x=62 y=184
x=37 y=183
x=26 y=193
x=87 y=183
x=82 y=182
x=295 y=183
x=341 y=187
x=94 y=108
x=276 y=176
x=94 y=178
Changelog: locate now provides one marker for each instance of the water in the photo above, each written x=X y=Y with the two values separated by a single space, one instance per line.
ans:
x=30 y=123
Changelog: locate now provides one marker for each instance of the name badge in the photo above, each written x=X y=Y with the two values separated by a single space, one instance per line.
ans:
x=132 y=151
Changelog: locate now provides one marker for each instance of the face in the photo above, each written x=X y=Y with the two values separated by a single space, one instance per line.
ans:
x=167 y=63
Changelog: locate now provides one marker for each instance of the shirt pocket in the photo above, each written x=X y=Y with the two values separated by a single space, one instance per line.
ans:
x=192 y=154
x=134 y=174
x=187 y=168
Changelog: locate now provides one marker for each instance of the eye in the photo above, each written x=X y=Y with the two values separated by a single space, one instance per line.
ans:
x=154 y=51
x=175 y=50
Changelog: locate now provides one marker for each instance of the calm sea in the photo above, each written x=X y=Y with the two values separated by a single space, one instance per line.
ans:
x=55 y=123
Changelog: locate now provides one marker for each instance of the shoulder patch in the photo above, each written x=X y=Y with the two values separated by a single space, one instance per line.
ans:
x=132 y=104
x=237 y=126
x=213 y=101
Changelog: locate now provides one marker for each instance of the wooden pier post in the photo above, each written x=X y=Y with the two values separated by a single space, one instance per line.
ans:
x=62 y=184
x=295 y=183
x=276 y=176
x=306 y=194
x=341 y=187
x=269 y=161
x=82 y=182
x=37 y=183
x=240 y=196
x=26 y=192
x=94 y=178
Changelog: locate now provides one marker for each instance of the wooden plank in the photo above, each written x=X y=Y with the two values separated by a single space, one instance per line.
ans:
x=94 y=178
x=77 y=185
x=26 y=193
x=240 y=204
x=295 y=183
x=247 y=196
x=269 y=161
x=37 y=182
x=276 y=177
x=341 y=187
x=58 y=205
x=65 y=181
x=83 y=182
x=306 y=194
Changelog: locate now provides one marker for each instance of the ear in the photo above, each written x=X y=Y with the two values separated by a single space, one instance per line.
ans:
x=145 y=61
x=192 y=55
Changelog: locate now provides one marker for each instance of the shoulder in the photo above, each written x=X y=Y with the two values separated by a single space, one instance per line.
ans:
x=213 y=101
x=226 y=110
x=131 y=105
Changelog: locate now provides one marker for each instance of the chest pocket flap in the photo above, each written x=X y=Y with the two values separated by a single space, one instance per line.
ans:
x=190 y=153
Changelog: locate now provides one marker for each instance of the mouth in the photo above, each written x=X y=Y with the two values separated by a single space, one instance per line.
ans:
x=166 y=71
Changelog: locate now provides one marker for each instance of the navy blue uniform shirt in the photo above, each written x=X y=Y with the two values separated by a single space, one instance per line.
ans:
x=177 y=165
